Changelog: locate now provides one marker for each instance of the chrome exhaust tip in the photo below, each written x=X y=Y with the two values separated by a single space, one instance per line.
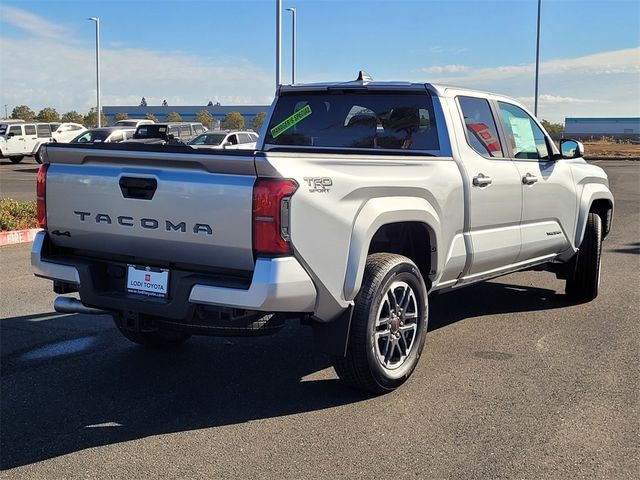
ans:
x=73 y=305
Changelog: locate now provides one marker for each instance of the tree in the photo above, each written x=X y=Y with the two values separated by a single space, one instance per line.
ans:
x=553 y=128
x=173 y=117
x=151 y=116
x=205 y=118
x=143 y=102
x=48 y=115
x=72 y=116
x=22 y=112
x=218 y=104
x=233 y=121
x=256 y=122
x=164 y=103
x=210 y=104
x=91 y=119
x=120 y=116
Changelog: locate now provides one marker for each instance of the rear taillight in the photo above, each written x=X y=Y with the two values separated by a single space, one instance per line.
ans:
x=271 y=203
x=41 y=194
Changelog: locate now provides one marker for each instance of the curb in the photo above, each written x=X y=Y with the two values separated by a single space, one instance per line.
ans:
x=14 y=237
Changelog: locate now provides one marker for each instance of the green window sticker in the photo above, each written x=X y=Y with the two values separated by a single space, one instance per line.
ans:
x=286 y=124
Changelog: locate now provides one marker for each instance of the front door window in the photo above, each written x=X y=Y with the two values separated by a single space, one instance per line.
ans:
x=527 y=139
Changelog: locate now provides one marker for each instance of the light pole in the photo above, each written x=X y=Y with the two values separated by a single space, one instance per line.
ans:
x=293 y=44
x=6 y=115
x=535 y=98
x=99 y=111
x=278 y=41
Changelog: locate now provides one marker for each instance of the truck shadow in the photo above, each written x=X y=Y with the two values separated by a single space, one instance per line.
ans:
x=71 y=382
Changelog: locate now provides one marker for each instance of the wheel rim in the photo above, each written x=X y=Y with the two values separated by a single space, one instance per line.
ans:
x=396 y=325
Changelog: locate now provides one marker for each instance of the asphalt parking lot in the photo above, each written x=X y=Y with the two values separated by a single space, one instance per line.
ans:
x=514 y=383
x=18 y=180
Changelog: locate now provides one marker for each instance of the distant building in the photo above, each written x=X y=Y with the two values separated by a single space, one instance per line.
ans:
x=188 y=113
x=626 y=127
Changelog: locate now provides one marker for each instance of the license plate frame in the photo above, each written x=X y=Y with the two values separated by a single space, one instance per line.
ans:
x=149 y=281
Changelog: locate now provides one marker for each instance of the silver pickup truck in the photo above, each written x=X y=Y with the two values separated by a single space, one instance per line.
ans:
x=361 y=199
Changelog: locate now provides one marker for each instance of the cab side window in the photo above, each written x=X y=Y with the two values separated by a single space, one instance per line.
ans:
x=44 y=130
x=481 y=130
x=527 y=138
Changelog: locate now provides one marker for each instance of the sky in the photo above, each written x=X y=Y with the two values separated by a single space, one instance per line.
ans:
x=190 y=52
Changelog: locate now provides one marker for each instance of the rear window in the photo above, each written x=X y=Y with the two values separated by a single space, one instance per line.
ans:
x=151 y=131
x=355 y=120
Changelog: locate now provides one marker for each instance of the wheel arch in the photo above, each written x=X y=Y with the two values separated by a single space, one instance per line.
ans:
x=595 y=198
x=415 y=216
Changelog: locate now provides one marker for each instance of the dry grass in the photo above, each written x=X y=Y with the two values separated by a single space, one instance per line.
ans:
x=610 y=149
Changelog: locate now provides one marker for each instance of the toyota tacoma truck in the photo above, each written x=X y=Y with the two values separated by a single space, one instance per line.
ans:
x=360 y=200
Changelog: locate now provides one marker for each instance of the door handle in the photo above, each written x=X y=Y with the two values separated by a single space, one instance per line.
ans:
x=529 y=179
x=481 y=180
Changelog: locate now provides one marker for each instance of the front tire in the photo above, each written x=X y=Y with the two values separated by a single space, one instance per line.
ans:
x=160 y=339
x=388 y=327
x=584 y=285
x=16 y=159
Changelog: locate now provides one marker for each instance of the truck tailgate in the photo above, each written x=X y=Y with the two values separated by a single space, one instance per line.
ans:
x=165 y=206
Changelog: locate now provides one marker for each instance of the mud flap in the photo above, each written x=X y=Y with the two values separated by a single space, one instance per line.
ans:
x=333 y=337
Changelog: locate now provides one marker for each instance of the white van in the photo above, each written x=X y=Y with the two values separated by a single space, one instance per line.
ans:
x=19 y=140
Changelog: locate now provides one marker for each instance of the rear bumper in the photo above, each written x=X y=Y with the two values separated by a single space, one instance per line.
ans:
x=277 y=285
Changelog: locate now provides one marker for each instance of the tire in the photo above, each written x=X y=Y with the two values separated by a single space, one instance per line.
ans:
x=375 y=361
x=160 y=339
x=584 y=285
x=16 y=159
x=37 y=155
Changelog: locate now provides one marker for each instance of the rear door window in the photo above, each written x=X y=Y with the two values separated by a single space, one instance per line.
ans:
x=362 y=120
x=29 y=129
x=185 y=131
x=481 y=130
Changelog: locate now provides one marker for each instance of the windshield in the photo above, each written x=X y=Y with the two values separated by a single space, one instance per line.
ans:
x=151 y=131
x=208 y=139
x=364 y=119
x=92 y=136
x=3 y=128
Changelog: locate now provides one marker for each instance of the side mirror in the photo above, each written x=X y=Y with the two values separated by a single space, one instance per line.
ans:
x=225 y=144
x=10 y=135
x=571 y=148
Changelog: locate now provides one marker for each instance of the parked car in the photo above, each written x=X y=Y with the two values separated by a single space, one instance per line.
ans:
x=225 y=139
x=65 y=132
x=171 y=132
x=361 y=199
x=105 y=135
x=20 y=140
x=133 y=122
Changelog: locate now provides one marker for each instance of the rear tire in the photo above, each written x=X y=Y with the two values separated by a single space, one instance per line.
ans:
x=388 y=327
x=584 y=285
x=160 y=339
x=38 y=155
x=16 y=159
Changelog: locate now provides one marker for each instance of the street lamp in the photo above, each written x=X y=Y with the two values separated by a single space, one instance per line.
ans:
x=535 y=98
x=99 y=110
x=278 y=42
x=293 y=44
